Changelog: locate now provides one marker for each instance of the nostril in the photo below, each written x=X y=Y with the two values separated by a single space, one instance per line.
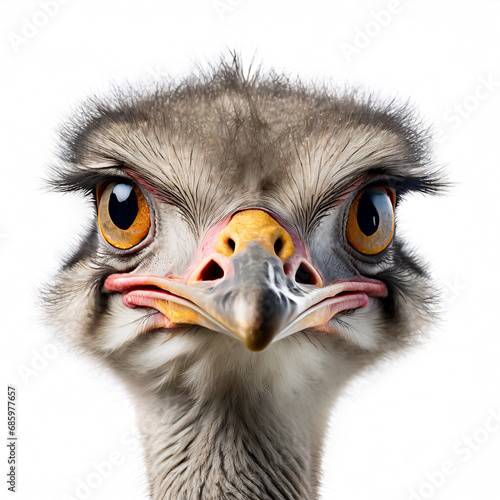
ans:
x=231 y=244
x=305 y=276
x=212 y=271
x=278 y=245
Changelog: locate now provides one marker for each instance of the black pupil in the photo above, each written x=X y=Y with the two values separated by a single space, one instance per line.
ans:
x=368 y=216
x=123 y=206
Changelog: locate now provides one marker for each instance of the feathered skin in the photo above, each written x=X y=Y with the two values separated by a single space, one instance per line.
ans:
x=218 y=420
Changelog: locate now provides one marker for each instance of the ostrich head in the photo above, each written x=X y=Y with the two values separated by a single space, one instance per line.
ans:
x=242 y=263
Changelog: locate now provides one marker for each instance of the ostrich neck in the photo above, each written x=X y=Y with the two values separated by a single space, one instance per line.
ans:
x=264 y=447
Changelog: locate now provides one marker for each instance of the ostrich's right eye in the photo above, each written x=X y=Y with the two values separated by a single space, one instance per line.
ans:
x=124 y=217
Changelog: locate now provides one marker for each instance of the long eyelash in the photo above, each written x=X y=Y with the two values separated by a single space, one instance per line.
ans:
x=82 y=181
x=86 y=181
x=430 y=183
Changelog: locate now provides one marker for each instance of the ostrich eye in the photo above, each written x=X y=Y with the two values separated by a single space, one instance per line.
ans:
x=124 y=217
x=370 y=224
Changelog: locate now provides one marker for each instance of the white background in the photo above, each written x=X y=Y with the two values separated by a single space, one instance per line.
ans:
x=397 y=426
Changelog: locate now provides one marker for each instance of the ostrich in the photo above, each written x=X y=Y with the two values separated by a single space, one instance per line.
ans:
x=241 y=266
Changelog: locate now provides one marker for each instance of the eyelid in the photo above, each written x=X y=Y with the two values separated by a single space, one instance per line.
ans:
x=99 y=190
x=111 y=179
x=367 y=182
x=379 y=184
x=144 y=183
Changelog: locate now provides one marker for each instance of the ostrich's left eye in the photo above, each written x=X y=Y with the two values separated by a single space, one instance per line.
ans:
x=370 y=224
x=124 y=217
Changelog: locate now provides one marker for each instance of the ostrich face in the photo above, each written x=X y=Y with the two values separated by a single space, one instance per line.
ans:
x=235 y=216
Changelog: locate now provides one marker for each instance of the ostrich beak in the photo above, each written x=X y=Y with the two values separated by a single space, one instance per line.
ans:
x=253 y=300
x=245 y=285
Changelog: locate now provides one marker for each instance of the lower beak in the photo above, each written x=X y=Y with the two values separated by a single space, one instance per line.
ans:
x=255 y=301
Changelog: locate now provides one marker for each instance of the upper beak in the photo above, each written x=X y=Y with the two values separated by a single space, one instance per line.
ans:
x=254 y=300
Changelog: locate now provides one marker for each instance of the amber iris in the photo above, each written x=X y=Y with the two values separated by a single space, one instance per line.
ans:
x=370 y=225
x=124 y=217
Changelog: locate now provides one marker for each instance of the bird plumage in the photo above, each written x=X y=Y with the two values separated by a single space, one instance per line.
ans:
x=219 y=421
